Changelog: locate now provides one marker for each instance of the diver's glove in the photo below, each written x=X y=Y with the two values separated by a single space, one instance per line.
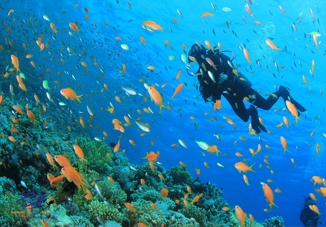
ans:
x=255 y=123
x=223 y=77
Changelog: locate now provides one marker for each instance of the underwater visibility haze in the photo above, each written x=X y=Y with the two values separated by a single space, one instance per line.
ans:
x=104 y=122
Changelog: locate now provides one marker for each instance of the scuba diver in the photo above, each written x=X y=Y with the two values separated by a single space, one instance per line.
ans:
x=217 y=76
x=308 y=217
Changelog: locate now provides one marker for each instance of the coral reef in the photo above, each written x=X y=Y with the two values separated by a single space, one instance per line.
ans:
x=24 y=160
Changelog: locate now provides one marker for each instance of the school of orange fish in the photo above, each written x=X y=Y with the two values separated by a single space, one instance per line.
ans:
x=50 y=47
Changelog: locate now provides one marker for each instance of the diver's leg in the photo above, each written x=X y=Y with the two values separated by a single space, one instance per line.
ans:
x=263 y=103
x=254 y=97
x=266 y=104
x=240 y=109
x=256 y=125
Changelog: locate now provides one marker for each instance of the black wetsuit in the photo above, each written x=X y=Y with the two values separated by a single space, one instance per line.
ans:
x=308 y=217
x=234 y=89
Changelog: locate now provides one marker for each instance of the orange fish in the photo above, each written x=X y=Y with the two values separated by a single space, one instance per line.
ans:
x=152 y=25
x=207 y=14
x=161 y=177
x=312 y=196
x=12 y=139
x=318 y=148
x=10 y=12
x=15 y=62
x=314 y=36
x=243 y=167
x=152 y=156
x=291 y=107
x=315 y=209
x=277 y=190
x=141 y=224
x=228 y=120
x=55 y=181
x=241 y=216
x=177 y=77
x=164 y=193
x=111 y=179
x=284 y=143
x=312 y=71
x=213 y=149
x=74 y=27
x=69 y=93
x=53 y=27
x=245 y=179
x=322 y=191
x=154 y=206
x=44 y=223
x=73 y=175
x=79 y=152
x=246 y=54
x=317 y=180
x=272 y=45
x=132 y=142
x=251 y=217
x=31 y=116
x=130 y=207
x=116 y=147
x=155 y=96
x=197 y=197
x=177 y=90
x=50 y=159
x=62 y=160
x=50 y=177
x=18 y=109
x=88 y=195
x=268 y=193
x=217 y=105
x=142 y=40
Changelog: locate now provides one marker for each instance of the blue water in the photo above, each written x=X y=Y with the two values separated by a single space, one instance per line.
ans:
x=96 y=42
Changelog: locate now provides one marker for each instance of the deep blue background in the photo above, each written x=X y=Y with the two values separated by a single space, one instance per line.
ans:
x=96 y=42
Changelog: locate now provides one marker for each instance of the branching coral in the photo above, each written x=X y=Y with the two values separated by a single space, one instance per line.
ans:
x=96 y=153
x=80 y=221
x=274 y=222
x=112 y=193
x=144 y=212
x=180 y=175
x=175 y=219
x=97 y=209
x=199 y=214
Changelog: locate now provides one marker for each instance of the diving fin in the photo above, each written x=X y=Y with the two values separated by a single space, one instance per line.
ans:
x=255 y=123
x=284 y=92
x=297 y=105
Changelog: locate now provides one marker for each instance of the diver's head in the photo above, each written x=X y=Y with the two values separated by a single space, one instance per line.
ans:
x=196 y=53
